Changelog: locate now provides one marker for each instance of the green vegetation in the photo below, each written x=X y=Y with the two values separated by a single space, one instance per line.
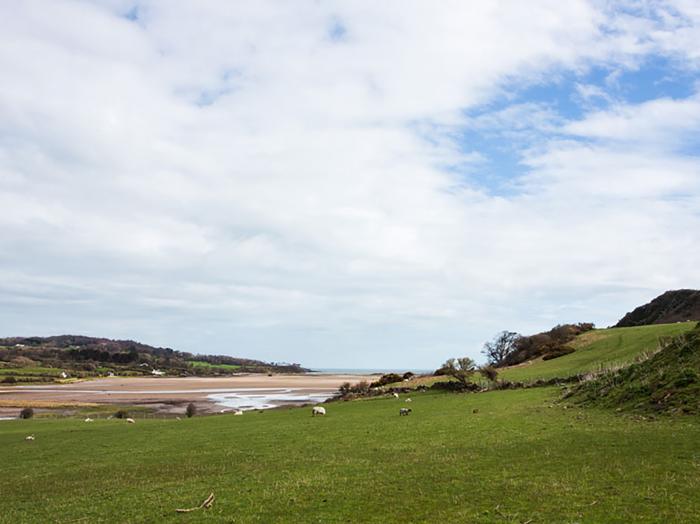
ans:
x=207 y=365
x=519 y=458
x=42 y=359
x=596 y=349
x=668 y=381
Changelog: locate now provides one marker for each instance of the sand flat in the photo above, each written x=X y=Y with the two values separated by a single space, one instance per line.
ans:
x=158 y=390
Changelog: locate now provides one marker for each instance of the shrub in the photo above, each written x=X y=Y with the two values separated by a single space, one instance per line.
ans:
x=9 y=380
x=389 y=378
x=26 y=413
x=191 y=410
x=122 y=413
x=455 y=386
x=489 y=372
x=347 y=390
x=558 y=352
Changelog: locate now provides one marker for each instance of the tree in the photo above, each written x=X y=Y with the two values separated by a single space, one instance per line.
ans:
x=191 y=410
x=489 y=372
x=502 y=345
x=460 y=368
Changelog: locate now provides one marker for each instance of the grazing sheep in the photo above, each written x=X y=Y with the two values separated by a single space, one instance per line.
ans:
x=404 y=411
x=178 y=418
x=29 y=437
x=408 y=400
x=396 y=395
x=318 y=410
x=238 y=412
x=130 y=421
x=88 y=419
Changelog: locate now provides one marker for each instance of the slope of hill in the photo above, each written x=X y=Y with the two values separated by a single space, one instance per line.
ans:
x=672 y=306
x=596 y=349
x=669 y=381
x=36 y=359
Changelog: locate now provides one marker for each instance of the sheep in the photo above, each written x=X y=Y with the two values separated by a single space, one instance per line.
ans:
x=130 y=421
x=178 y=418
x=29 y=437
x=88 y=419
x=408 y=400
x=318 y=410
x=238 y=412
x=396 y=395
x=404 y=411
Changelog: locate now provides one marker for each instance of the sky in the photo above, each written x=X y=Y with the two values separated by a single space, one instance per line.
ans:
x=344 y=184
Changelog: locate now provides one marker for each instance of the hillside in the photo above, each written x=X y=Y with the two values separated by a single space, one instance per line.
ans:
x=45 y=359
x=672 y=306
x=669 y=381
x=596 y=349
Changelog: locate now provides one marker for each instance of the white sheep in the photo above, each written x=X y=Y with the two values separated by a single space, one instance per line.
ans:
x=408 y=400
x=238 y=412
x=404 y=411
x=396 y=395
x=318 y=410
x=178 y=418
x=130 y=421
x=88 y=419
x=29 y=437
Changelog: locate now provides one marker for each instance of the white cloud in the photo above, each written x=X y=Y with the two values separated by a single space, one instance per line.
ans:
x=230 y=174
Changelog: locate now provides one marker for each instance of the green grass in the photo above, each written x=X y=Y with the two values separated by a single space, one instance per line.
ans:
x=667 y=382
x=223 y=367
x=31 y=371
x=519 y=459
x=600 y=347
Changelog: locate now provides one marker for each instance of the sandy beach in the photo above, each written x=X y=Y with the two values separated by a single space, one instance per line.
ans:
x=250 y=391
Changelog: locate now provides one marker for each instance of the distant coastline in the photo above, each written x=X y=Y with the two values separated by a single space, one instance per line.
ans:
x=359 y=371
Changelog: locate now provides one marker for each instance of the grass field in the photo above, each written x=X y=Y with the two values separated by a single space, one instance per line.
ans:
x=519 y=459
x=30 y=371
x=223 y=367
x=601 y=347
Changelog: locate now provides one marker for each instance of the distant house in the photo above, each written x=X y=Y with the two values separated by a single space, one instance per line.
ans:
x=157 y=373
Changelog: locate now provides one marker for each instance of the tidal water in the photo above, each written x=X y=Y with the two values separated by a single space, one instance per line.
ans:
x=259 y=398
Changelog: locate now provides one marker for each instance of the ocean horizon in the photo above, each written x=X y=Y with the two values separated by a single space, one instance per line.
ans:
x=368 y=371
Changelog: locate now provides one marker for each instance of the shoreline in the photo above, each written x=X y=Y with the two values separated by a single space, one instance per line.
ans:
x=169 y=395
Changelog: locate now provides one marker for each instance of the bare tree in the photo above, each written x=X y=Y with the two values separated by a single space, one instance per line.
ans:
x=500 y=347
x=460 y=368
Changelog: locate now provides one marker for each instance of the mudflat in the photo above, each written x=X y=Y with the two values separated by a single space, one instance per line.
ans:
x=164 y=391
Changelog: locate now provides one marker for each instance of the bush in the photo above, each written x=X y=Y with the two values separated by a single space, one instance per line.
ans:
x=389 y=378
x=122 y=413
x=9 y=380
x=558 y=352
x=489 y=372
x=453 y=385
x=347 y=390
x=26 y=413
x=191 y=410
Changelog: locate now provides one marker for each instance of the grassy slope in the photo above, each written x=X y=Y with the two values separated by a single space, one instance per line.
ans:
x=667 y=382
x=223 y=367
x=517 y=459
x=599 y=347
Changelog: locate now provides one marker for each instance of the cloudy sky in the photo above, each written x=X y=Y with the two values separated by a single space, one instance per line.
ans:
x=344 y=184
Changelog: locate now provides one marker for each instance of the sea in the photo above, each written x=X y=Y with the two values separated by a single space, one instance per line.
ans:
x=372 y=371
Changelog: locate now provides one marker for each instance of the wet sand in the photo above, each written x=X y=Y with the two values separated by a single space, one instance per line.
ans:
x=170 y=394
